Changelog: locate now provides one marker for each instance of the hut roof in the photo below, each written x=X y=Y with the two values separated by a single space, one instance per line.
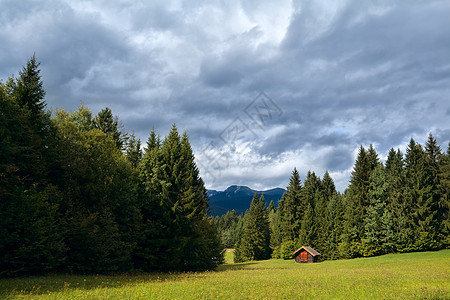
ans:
x=307 y=249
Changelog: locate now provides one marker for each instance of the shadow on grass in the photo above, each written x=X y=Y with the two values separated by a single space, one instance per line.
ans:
x=229 y=267
x=39 y=285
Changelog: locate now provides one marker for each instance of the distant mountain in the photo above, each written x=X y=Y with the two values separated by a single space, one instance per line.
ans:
x=239 y=198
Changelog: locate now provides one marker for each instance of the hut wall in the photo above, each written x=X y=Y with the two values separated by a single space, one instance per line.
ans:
x=298 y=259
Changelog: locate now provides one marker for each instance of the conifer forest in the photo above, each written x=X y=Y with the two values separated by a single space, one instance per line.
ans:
x=78 y=194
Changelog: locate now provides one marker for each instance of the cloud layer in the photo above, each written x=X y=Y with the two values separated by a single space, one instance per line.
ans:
x=334 y=76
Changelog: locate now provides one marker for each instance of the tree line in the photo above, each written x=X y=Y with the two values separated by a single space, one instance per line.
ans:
x=79 y=195
x=401 y=205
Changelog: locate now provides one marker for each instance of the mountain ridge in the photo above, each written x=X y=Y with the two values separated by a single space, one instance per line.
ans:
x=239 y=197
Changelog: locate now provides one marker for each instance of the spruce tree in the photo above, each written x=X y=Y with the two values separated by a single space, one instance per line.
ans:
x=32 y=240
x=309 y=198
x=335 y=223
x=358 y=196
x=152 y=251
x=255 y=241
x=374 y=226
x=176 y=193
x=154 y=141
x=109 y=124
x=290 y=209
x=133 y=150
x=29 y=93
x=419 y=213
x=395 y=219
x=434 y=160
x=271 y=207
x=444 y=205
x=275 y=232
x=322 y=215
x=307 y=229
x=205 y=249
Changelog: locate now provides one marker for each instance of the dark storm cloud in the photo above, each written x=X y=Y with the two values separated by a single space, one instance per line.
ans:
x=343 y=73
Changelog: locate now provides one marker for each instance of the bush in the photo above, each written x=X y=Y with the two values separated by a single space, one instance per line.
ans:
x=286 y=249
x=276 y=252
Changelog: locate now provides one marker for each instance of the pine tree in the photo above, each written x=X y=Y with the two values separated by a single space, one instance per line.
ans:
x=205 y=250
x=434 y=160
x=395 y=219
x=133 y=151
x=152 y=251
x=275 y=232
x=32 y=241
x=255 y=241
x=419 y=212
x=322 y=215
x=290 y=208
x=444 y=204
x=177 y=195
x=271 y=207
x=154 y=141
x=335 y=223
x=309 y=198
x=307 y=229
x=109 y=124
x=374 y=226
x=358 y=195
x=29 y=93
x=372 y=157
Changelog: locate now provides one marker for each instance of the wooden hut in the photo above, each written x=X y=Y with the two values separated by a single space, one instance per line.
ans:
x=305 y=254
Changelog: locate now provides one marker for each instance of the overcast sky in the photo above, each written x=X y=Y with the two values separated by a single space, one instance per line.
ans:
x=261 y=87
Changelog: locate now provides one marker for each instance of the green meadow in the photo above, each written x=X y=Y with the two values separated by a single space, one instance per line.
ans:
x=424 y=275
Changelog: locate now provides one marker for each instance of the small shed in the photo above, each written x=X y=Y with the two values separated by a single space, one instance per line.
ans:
x=305 y=254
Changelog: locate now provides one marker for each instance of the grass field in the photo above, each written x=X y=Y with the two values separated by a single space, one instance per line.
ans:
x=424 y=275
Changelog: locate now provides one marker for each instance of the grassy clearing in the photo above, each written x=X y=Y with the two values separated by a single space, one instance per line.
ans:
x=424 y=275
x=229 y=257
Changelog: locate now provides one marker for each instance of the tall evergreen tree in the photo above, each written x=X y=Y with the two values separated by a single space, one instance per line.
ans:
x=255 y=241
x=29 y=93
x=307 y=229
x=177 y=194
x=420 y=215
x=271 y=207
x=31 y=240
x=374 y=226
x=434 y=160
x=275 y=229
x=154 y=141
x=336 y=218
x=133 y=150
x=109 y=124
x=395 y=219
x=323 y=232
x=309 y=198
x=358 y=196
x=444 y=205
x=289 y=208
